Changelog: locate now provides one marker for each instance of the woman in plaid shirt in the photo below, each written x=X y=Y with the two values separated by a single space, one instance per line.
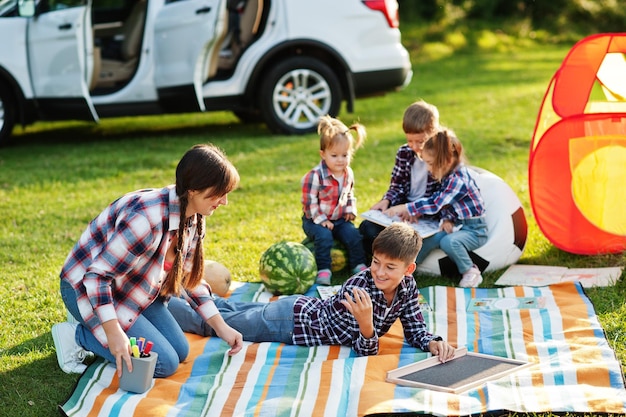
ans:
x=141 y=250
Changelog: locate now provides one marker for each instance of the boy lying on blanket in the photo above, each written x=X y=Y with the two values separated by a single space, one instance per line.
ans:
x=364 y=310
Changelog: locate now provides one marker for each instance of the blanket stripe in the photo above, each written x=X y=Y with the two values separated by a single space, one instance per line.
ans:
x=575 y=369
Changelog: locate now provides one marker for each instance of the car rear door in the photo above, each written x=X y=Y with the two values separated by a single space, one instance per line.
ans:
x=185 y=35
x=60 y=59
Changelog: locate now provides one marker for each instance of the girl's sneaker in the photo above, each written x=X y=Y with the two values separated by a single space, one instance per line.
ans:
x=323 y=277
x=359 y=268
x=471 y=278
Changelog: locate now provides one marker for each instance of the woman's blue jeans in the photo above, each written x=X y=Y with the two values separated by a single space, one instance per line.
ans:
x=257 y=322
x=323 y=239
x=155 y=323
x=457 y=244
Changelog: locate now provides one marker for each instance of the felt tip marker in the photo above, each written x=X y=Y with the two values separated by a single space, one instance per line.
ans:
x=133 y=341
x=147 y=348
x=136 y=353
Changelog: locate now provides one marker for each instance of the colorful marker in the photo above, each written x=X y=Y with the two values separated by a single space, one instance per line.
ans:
x=147 y=348
x=136 y=352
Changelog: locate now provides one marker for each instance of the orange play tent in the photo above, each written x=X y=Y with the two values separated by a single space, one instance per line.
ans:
x=577 y=163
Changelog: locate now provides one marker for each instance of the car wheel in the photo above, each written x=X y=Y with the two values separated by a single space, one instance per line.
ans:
x=7 y=114
x=296 y=93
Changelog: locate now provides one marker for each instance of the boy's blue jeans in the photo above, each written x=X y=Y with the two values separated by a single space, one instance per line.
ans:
x=457 y=244
x=257 y=322
x=155 y=323
x=369 y=230
x=323 y=239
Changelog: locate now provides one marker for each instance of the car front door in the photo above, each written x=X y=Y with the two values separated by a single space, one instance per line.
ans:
x=185 y=37
x=60 y=58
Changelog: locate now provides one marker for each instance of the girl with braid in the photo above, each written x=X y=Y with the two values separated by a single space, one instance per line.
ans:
x=453 y=196
x=142 y=250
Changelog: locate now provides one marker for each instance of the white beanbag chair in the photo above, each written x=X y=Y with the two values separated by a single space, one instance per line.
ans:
x=507 y=229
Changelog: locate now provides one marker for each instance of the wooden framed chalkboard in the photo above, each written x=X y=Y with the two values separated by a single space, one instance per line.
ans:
x=466 y=371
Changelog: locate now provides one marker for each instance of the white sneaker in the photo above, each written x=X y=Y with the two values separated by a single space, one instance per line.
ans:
x=471 y=278
x=70 y=318
x=69 y=354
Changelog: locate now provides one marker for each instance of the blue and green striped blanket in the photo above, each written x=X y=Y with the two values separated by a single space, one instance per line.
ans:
x=574 y=368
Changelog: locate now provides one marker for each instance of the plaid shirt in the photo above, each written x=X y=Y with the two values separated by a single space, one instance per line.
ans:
x=456 y=197
x=320 y=194
x=327 y=322
x=400 y=183
x=116 y=267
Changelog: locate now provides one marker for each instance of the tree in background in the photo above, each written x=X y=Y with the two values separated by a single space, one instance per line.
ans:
x=554 y=15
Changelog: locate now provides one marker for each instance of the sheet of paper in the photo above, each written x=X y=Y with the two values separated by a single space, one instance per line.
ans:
x=541 y=275
x=327 y=291
x=424 y=227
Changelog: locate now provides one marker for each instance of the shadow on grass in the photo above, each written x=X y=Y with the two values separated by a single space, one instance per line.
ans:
x=129 y=128
x=36 y=388
x=557 y=257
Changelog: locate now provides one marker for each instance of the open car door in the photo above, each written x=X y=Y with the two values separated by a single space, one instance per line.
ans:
x=187 y=37
x=60 y=58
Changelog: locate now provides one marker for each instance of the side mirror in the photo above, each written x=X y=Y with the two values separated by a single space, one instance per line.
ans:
x=26 y=8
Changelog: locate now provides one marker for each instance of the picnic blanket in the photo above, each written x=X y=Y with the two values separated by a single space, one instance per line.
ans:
x=574 y=368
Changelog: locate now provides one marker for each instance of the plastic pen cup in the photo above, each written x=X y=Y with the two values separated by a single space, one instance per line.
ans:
x=140 y=379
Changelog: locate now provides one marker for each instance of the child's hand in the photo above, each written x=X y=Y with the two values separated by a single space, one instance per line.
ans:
x=382 y=205
x=359 y=304
x=349 y=217
x=442 y=349
x=327 y=224
x=412 y=219
x=447 y=226
x=397 y=211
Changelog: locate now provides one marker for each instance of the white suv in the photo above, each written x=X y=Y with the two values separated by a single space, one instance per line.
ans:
x=283 y=62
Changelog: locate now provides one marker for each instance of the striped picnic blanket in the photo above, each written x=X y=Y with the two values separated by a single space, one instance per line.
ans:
x=554 y=327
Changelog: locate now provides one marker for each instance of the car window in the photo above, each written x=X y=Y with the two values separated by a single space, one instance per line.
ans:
x=110 y=11
x=64 y=4
x=8 y=8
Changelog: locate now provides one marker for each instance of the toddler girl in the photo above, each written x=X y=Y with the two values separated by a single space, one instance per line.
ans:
x=328 y=202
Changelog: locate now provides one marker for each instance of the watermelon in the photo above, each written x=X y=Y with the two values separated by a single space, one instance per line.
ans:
x=288 y=268
x=338 y=255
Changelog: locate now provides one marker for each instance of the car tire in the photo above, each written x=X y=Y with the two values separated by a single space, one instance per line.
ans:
x=296 y=93
x=7 y=114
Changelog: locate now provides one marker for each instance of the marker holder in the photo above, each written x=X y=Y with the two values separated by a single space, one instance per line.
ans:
x=140 y=379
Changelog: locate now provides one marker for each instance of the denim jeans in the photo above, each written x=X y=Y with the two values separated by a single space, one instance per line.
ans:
x=457 y=244
x=257 y=322
x=369 y=230
x=323 y=239
x=155 y=323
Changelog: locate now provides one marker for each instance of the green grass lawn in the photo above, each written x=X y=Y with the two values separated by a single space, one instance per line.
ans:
x=59 y=176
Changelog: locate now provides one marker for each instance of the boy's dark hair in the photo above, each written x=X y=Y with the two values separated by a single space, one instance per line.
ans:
x=398 y=241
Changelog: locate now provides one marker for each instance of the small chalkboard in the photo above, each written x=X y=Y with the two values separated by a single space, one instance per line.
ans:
x=466 y=371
